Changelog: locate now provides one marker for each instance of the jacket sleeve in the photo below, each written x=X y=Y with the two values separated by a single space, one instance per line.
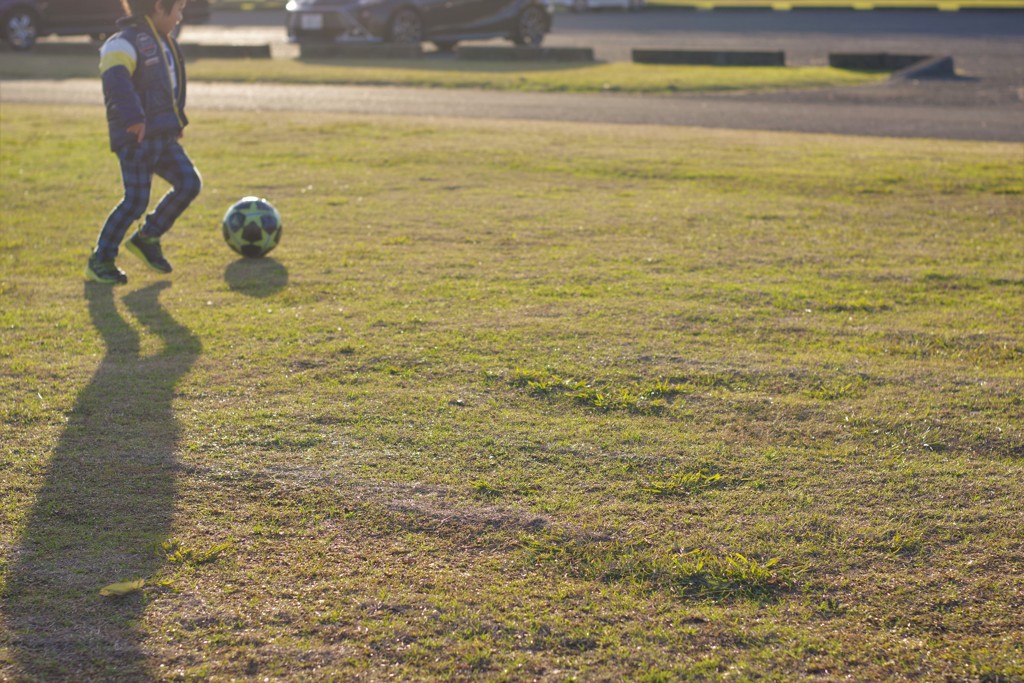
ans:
x=118 y=59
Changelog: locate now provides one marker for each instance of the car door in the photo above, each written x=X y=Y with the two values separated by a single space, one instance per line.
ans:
x=453 y=14
x=477 y=15
x=58 y=14
x=82 y=16
x=434 y=13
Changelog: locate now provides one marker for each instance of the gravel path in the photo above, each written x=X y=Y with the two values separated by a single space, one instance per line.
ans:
x=874 y=110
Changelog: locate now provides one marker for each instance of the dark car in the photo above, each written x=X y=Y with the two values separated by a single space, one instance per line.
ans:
x=19 y=21
x=25 y=20
x=443 y=22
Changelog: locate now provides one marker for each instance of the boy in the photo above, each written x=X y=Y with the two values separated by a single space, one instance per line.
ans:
x=144 y=90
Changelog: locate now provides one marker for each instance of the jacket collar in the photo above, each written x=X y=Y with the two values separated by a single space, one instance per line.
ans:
x=126 y=22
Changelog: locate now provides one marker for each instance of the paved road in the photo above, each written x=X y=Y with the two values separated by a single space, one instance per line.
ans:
x=997 y=123
x=986 y=103
x=991 y=42
x=986 y=43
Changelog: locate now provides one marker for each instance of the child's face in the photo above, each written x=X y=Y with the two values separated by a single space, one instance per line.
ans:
x=166 y=21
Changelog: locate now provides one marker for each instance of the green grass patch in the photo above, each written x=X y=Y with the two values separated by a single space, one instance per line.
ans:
x=688 y=574
x=514 y=401
x=648 y=398
x=600 y=77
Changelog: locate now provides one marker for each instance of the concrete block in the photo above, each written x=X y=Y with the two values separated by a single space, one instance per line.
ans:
x=65 y=49
x=873 y=61
x=936 y=67
x=710 y=57
x=201 y=51
x=189 y=50
x=314 y=50
x=525 y=54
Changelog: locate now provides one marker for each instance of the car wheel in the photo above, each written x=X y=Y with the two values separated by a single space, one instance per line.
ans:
x=20 y=29
x=445 y=45
x=531 y=27
x=406 y=27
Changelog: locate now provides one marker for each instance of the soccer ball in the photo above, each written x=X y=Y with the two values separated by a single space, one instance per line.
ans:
x=252 y=227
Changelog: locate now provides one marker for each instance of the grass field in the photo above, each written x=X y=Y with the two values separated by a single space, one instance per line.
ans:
x=600 y=77
x=516 y=401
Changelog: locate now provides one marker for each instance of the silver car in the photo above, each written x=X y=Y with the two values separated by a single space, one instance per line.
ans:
x=443 y=22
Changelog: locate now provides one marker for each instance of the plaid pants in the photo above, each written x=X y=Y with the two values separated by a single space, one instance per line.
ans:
x=162 y=156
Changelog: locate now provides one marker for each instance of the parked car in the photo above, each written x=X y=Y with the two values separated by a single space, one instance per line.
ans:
x=584 y=5
x=443 y=22
x=19 y=21
x=25 y=20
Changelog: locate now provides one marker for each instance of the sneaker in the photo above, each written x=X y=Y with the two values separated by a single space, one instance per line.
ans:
x=105 y=272
x=148 y=249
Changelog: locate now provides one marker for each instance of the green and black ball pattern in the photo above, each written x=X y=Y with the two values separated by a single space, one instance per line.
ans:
x=252 y=227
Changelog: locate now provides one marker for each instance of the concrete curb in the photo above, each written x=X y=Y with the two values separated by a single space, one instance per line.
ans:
x=936 y=67
x=872 y=61
x=359 y=50
x=525 y=54
x=62 y=49
x=709 y=57
x=189 y=50
x=200 y=51
x=904 y=67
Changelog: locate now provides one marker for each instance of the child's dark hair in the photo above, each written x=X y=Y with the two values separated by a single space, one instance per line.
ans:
x=143 y=8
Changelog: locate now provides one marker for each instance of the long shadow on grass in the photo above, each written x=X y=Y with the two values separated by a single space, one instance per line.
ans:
x=258 y=277
x=105 y=505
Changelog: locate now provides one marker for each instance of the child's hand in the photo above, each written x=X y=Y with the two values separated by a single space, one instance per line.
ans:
x=138 y=130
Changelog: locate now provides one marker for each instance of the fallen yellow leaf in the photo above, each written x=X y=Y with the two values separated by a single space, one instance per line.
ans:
x=116 y=590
